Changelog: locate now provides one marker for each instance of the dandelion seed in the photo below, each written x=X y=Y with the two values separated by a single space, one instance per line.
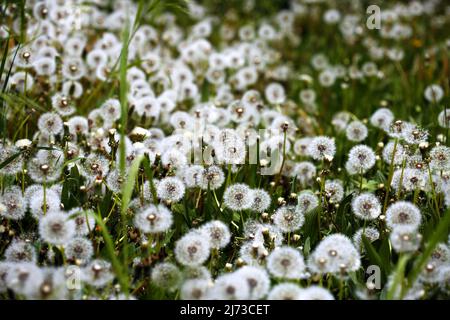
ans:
x=217 y=232
x=434 y=93
x=97 y=273
x=55 y=228
x=321 y=148
x=192 y=249
x=440 y=158
x=12 y=204
x=84 y=221
x=405 y=239
x=170 y=188
x=230 y=287
x=285 y=291
x=212 y=177
x=315 y=293
x=196 y=289
x=307 y=201
x=382 y=118
x=257 y=279
x=403 y=213
x=335 y=254
x=166 y=275
x=361 y=158
x=50 y=123
x=261 y=200
x=366 y=206
x=305 y=172
x=439 y=258
x=154 y=219
x=389 y=156
x=356 y=131
x=370 y=233
x=20 y=251
x=238 y=197
x=334 y=190
x=288 y=218
x=287 y=263
x=80 y=249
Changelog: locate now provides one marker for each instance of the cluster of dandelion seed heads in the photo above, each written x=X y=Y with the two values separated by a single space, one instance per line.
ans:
x=259 y=178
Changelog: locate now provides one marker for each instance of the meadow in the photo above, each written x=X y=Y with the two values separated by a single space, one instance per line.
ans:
x=224 y=150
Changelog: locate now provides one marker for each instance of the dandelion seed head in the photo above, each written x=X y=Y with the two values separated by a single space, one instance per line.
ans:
x=55 y=228
x=370 y=233
x=321 y=147
x=315 y=293
x=403 y=213
x=366 y=206
x=257 y=279
x=170 y=188
x=20 y=251
x=154 y=219
x=285 y=291
x=335 y=254
x=97 y=273
x=361 y=158
x=230 y=287
x=307 y=201
x=286 y=263
x=192 y=249
x=12 y=204
x=382 y=119
x=405 y=239
x=80 y=249
x=334 y=190
x=166 y=275
x=288 y=218
x=217 y=233
x=212 y=177
x=238 y=197
x=356 y=131
x=195 y=289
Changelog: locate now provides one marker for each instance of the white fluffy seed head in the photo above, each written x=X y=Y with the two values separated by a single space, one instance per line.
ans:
x=238 y=197
x=334 y=190
x=170 y=188
x=356 y=131
x=405 y=239
x=12 y=204
x=97 y=273
x=288 y=218
x=261 y=200
x=315 y=293
x=55 y=228
x=211 y=177
x=321 y=147
x=286 y=262
x=79 y=249
x=285 y=291
x=335 y=254
x=20 y=251
x=166 y=275
x=307 y=201
x=217 y=233
x=366 y=206
x=195 y=289
x=192 y=249
x=257 y=279
x=154 y=219
x=361 y=158
x=230 y=287
x=403 y=213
